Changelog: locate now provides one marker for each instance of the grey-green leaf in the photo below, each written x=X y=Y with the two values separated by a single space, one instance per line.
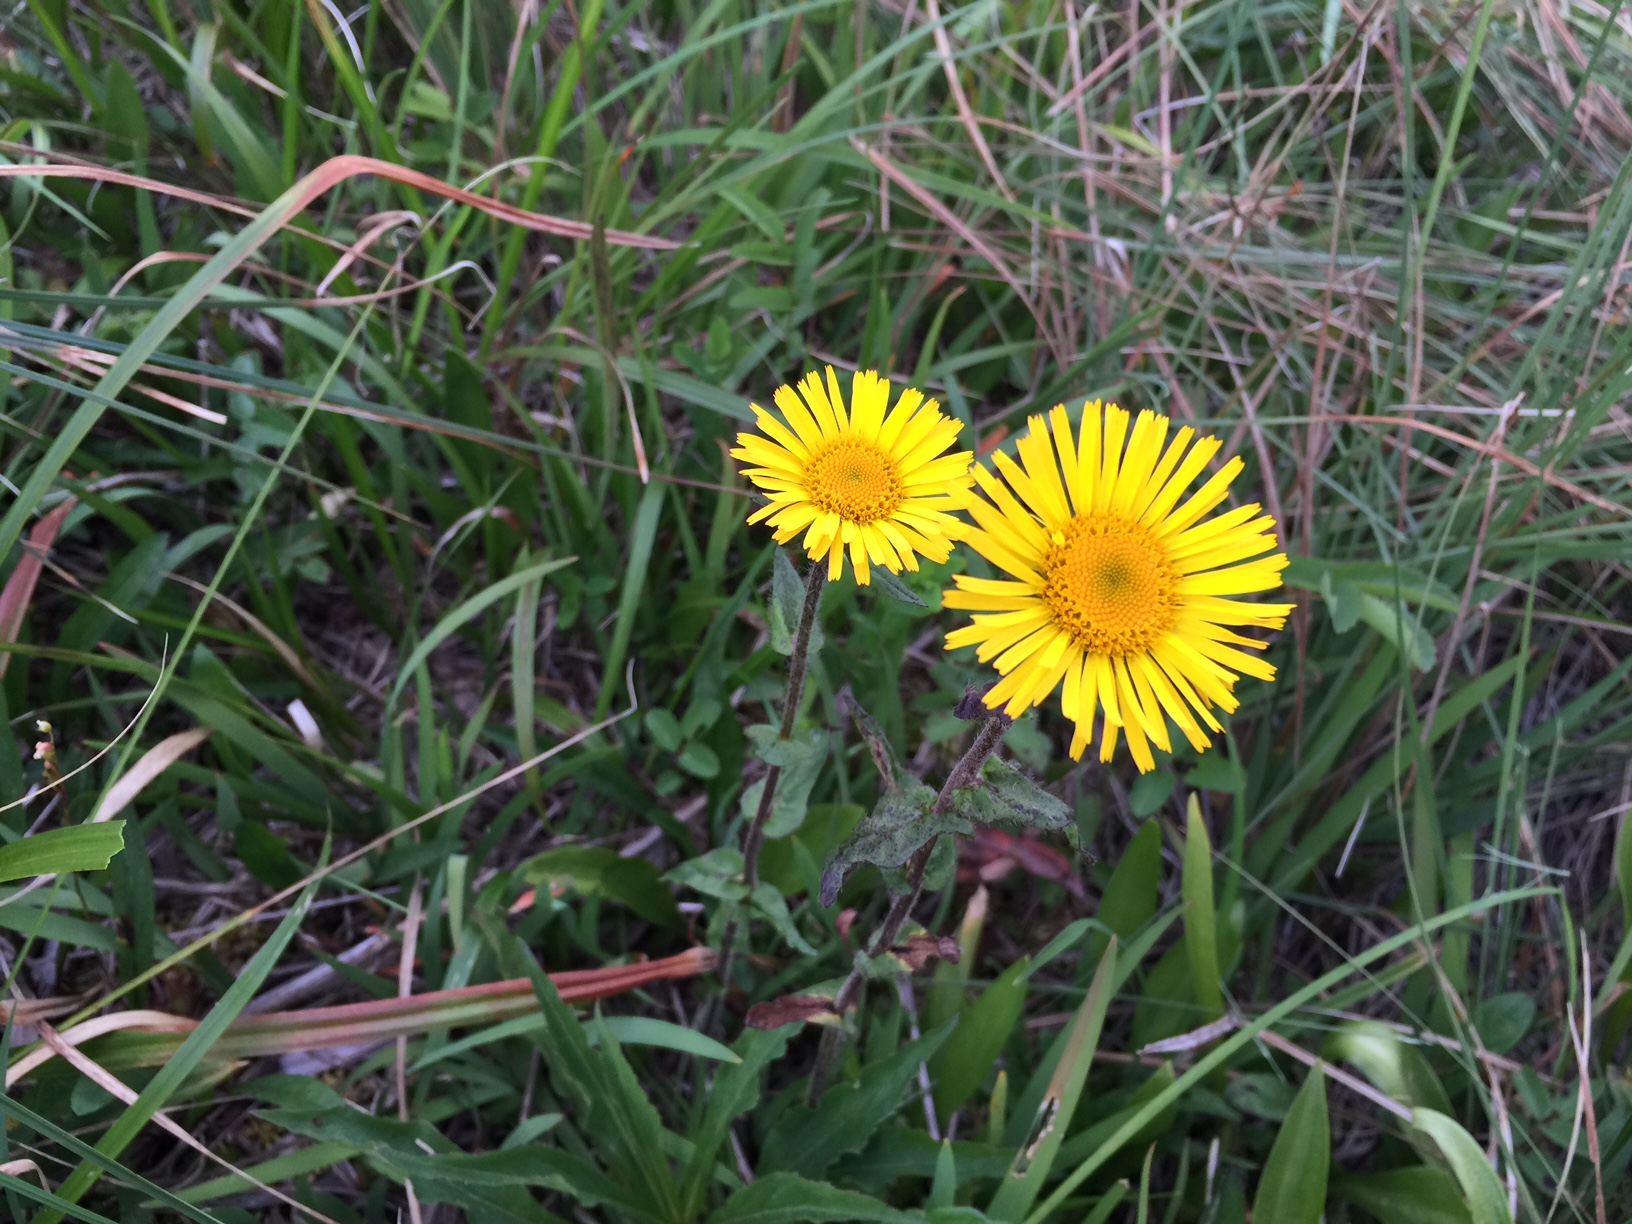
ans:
x=787 y=604
x=890 y=834
x=1011 y=799
x=897 y=590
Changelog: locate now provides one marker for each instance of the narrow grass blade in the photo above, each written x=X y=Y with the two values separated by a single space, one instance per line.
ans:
x=1034 y=1162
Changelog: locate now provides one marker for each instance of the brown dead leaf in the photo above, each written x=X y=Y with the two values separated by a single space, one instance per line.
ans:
x=792 y=1009
x=919 y=950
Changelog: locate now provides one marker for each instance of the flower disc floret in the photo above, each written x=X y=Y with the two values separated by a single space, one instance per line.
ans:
x=1109 y=584
x=866 y=480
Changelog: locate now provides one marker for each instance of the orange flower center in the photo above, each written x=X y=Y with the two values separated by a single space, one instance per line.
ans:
x=1110 y=584
x=855 y=480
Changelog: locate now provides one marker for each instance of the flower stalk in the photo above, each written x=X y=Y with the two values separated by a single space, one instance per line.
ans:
x=965 y=774
x=798 y=662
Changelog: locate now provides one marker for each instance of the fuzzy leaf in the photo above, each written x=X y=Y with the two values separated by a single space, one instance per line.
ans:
x=787 y=603
x=801 y=763
x=897 y=590
x=1011 y=799
x=890 y=834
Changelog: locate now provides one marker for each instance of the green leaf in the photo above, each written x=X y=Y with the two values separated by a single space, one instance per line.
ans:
x=897 y=590
x=609 y=1106
x=1419 y=1194
x=715 y=874
x=785 y=1198
x=890 y=834
x=491 y=1185
x=665 y=1035
x=1011 y=799
x=1403 y=630
x=801 y=760
x=82 y=847
x=892 y=771
x=1060 y=1099
x=736 y=1090
x=1215 y=771
x=1200 y=919
x=807 y=1141
x=664 y=729
x=983 y=1029
x=1130 y=896
x=788 y=605
x=599 y=871
x=1293 y=1187
x=1395 y=1066
x=1482 y=1190
x=769 y=902
x=1150 y=792
x=793 y=862
x=699 y=760
x=1503 y=1020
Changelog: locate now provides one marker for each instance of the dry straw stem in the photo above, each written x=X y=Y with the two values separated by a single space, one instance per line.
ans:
x=303 y=1030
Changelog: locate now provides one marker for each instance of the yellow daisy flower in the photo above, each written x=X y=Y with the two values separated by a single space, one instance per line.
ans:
x=873 y=479
x=1118 y=595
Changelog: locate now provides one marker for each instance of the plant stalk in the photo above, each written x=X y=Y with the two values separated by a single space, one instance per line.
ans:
x=754 y=839
x=964 y=774
x=798 y=661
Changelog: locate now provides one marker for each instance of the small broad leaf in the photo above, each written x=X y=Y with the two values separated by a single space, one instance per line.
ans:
x=890 y=834
x=786 y=607
x=82 y=847
x=600 y=871
x=769 y=747
x=1293 y=1187
x=665 y=729
x=1217 y=772
x=801 y=761
x=1150 y=792
x=699 y=760
x=1342 y=600
x=785 y=1198
x=897 y=590
x=715 y=874
x=1011 y=799
x=768 y=901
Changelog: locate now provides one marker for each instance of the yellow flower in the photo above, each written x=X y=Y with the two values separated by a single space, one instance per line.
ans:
x=1119 y=596
x=872 y=481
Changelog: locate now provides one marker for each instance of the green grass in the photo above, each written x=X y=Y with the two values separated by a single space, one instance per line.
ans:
x=459 y=489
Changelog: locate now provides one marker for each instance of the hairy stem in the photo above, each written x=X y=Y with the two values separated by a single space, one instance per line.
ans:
x=965 y=773
x=815 y=580
x=754 y=839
